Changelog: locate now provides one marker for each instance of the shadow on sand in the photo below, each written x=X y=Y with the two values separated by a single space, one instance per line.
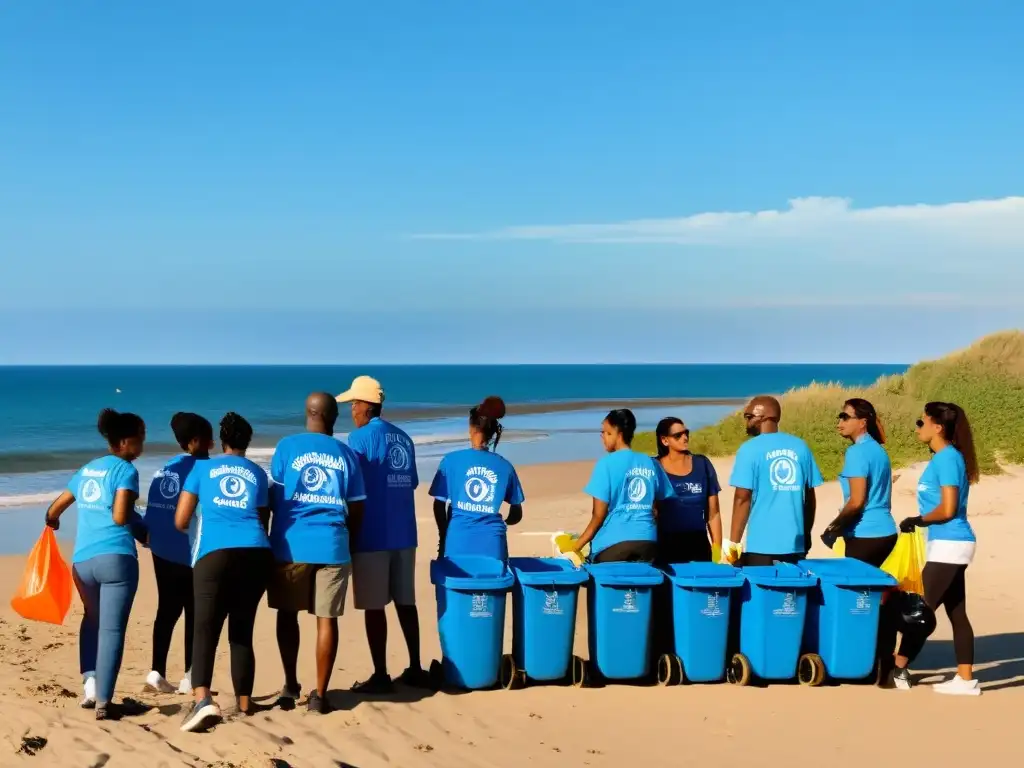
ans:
x=998 y=660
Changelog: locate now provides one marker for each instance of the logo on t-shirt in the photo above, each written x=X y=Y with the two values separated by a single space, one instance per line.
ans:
x=637 y=489
x=90 y=492
x=480 y=489
x=233 y=489
x=398 y=457
x=782 y=470
x=170 y=485
x=319 y=481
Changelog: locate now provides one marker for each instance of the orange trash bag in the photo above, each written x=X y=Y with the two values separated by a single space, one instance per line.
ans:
x=45 y=590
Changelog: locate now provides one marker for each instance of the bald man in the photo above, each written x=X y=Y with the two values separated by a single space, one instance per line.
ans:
x=316 y=499
x=774 y=476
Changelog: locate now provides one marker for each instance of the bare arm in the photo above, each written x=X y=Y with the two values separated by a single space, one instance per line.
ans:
x=810 y=509
x=59 y=507
x=597 y=515
x=740 y=513
x=124 y=506
x=264 y=513
x=715 y=520
x=186 y=508
x=356 y=512
x=855 y=505
x=515 y=514
x=947 y=508
x=441 y=518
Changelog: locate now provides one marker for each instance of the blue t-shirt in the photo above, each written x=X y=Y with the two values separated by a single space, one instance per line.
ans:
x=94 y=487
x=867 y=459
x=165 y=540
x=629 y=483
x=230 y=489
x=778 y=468
x=388 y=463
x=315 y=478
x=947 y=467
x=687 y=510
x=475 y=483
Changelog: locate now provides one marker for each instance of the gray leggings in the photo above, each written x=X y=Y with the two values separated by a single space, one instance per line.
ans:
x=107 y=586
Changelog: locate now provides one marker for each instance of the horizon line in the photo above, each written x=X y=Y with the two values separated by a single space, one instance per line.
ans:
x=447 y=365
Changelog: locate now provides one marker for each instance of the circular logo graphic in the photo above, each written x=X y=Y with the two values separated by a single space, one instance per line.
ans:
x=232 y=486
x=314 y=478
x=636 y=490
x=398 y=457
x=90 y=492
x=477 y=489
x=169 y=486
x=783 y=471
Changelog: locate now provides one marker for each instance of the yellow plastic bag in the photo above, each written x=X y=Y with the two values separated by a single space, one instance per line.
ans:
x=564 y=545
x=906 y=562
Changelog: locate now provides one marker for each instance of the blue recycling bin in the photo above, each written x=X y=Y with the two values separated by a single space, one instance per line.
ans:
x=843 y=614
x=701 y=599
x=619 y=599
x=471 y=594
x=772 y=615
x=544 y=602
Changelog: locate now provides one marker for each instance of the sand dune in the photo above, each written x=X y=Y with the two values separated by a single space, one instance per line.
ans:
x=40 y=723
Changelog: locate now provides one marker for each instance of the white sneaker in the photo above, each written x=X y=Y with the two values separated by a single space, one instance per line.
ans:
x=89 y=698
x=901 y=679
x=958 y=687
x=185 y=686
x=157 y=682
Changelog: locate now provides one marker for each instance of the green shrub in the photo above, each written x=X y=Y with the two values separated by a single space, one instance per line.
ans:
x=986 y=380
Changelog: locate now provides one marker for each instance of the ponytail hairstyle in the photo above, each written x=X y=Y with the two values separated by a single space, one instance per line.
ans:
x=235 y=431
x=624 y=421
x=862 y=409
x=116 y=426
x=956 y=430
x=485 y=418
x=663 y=430
x=191 y=426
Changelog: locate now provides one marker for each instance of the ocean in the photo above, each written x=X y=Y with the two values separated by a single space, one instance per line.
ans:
x=48 y=414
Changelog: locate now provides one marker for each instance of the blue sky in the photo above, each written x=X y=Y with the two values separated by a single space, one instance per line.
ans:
x=535 y=181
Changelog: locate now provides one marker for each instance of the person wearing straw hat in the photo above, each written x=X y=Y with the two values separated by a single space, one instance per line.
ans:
x=384 y=549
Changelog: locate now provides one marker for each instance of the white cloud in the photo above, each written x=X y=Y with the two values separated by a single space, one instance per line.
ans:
x=823 y=223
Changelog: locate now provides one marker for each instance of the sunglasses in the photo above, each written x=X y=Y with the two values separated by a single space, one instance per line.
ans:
x=844 y=416
x=919 y=423
x=677 y=435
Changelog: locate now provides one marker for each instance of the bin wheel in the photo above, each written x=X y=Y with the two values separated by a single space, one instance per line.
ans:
x=670 y=670
x=510 y=677
x=580 y=674
x=810 y=670
x=436 y=675
x=739 y=671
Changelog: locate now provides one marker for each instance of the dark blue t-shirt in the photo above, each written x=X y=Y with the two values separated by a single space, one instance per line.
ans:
x=687 y=510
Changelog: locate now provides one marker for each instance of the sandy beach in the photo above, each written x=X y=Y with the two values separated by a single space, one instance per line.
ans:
x=41 y=724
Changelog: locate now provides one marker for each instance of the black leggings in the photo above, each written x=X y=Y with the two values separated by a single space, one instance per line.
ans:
x=754 y=558
x=873 y=551
x=174 y=596
x=629 y=552
x=229 y=584
x=944 y=584
x=683 y=547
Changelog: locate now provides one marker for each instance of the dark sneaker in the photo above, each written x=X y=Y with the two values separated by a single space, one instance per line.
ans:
x=901 y=679
x=287 y=697
x=415 y=678
x=376 y=685
x=200 y=716
x=102 y=713
x=317 y=704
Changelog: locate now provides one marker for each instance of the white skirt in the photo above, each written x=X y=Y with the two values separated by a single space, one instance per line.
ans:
x=951 y=552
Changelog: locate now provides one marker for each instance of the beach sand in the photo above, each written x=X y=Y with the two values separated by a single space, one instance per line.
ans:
x=851 y=725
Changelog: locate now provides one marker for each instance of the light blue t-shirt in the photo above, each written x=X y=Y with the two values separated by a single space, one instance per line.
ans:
x=315 y=478
x=629 y=483
x=947 y=467
x=94 y=487
x=165 y=540
x=230 y=489
x=687 y=510
x=388 y=463
x=778 y=469
x=475 y=483
x=867 y=459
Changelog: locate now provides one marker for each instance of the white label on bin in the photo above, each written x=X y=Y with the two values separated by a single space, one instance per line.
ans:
x=713 y=608
x=863 y=604
x=481 y=608
x=628 y=603
x=788 y=608
x=551 y=606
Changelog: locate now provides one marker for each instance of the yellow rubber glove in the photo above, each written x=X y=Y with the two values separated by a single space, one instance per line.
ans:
x=716 y=553
x=731 y=552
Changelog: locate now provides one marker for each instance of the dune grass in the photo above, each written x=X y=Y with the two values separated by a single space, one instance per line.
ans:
x=986 y=380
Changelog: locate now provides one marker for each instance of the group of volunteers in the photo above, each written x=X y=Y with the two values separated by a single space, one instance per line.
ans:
x=222 y=534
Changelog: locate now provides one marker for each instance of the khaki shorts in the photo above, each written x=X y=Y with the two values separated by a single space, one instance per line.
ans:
x=380 y=577
x=317 y=589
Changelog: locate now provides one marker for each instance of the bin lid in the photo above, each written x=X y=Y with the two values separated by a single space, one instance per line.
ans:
x=704 y=575
x=847 y=571
x=471 y=573
x=624 y=574
x=546 y=571
x=779 y=575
